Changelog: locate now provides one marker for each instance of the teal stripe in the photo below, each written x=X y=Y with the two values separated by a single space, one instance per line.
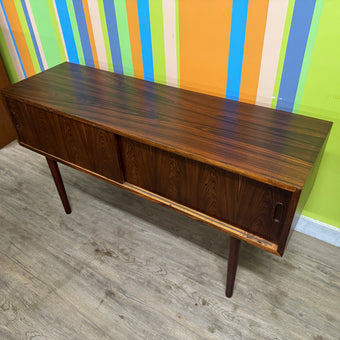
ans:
x=237 y=38
x=66 y=27
x=46 y=31
x=124 y=37
x=308 y=53
x=145 y=38
x=75 y=30
x=7 y=59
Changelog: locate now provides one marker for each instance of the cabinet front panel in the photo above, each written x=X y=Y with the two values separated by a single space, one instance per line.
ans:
x=86 y=146
x=253 y=206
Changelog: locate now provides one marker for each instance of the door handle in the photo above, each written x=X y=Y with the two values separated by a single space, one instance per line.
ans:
x=278 y=212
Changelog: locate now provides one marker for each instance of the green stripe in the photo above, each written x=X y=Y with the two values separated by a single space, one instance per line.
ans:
x=308 y=53
x=7 y=59
x=56 y=30
x=177 y=41
x=27 y=35
x=157 y=38
x=321 y=99
x=75 y=30
x=124 y=37
x=285 y=36
x=46 y=31
x=106 y=35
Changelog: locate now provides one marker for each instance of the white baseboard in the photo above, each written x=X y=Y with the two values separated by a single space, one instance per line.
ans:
x=322 y=231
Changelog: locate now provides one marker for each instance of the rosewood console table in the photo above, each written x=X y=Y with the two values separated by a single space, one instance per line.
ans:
x=241 y=168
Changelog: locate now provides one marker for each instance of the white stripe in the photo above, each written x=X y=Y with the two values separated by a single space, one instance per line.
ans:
x=98 y=34
x=10 y=45
x=36 y=34
x=276 y=17
x=170 y=43
x=60 y=30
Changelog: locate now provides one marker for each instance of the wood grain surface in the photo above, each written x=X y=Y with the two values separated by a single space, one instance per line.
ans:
x=89 y=147
x=7 y=131
x=268 y=145
x=252 y=206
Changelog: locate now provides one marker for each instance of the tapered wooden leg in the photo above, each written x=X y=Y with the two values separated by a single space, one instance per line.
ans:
x=59 y=183
x=234 y=248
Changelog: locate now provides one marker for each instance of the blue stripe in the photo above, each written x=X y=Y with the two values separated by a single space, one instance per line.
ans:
x=84 y=34
x=111 y=22
x=145 y=37
x=66 y=27
x=236 y=47
x=297 y=41
x=29 y=24
x=15 y=45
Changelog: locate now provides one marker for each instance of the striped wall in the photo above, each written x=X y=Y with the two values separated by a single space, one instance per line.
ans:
x=253 y=51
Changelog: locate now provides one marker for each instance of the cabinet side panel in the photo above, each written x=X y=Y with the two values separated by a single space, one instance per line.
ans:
x=299 y=202
x=253 y=206
x=7 y=131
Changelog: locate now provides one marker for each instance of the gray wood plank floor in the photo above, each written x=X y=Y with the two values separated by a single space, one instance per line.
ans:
x=120 y=267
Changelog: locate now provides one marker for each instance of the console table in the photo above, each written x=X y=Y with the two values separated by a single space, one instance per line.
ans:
x=241 y=168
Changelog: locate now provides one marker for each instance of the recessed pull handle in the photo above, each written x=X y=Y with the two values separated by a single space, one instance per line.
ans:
x=278 y=212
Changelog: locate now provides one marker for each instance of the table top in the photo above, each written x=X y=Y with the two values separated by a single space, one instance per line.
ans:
x=271 y=146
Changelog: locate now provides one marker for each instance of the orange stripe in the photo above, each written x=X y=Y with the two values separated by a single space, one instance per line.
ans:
x=256 y=26
x=136 y=47
x=204 y=31
x=90 y=31
x=19 y=37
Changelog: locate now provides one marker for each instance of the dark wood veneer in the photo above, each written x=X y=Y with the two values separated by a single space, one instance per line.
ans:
x=89 y=147
x=251 y=205
x=7 y=131
x=241 y=168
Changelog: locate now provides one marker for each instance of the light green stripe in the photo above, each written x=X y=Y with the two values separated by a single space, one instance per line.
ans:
x=7 y=59
x=27 y=35
x=321 y=99
x=285 y=36
x=75 y=30
x=308 y=53
x=105 y=35
x=46 y=31
x=124 y=37
x=56 y=30
x=157 y=38
x=177 y=41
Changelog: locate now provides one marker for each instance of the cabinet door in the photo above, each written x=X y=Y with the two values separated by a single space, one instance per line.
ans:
x=88 y=147
x=248 y=204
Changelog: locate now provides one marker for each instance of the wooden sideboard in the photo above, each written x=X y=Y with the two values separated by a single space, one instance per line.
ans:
x=241 y=168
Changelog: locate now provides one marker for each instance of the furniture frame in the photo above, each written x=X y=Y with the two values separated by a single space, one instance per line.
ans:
x=7 y=132
x=244 y=169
